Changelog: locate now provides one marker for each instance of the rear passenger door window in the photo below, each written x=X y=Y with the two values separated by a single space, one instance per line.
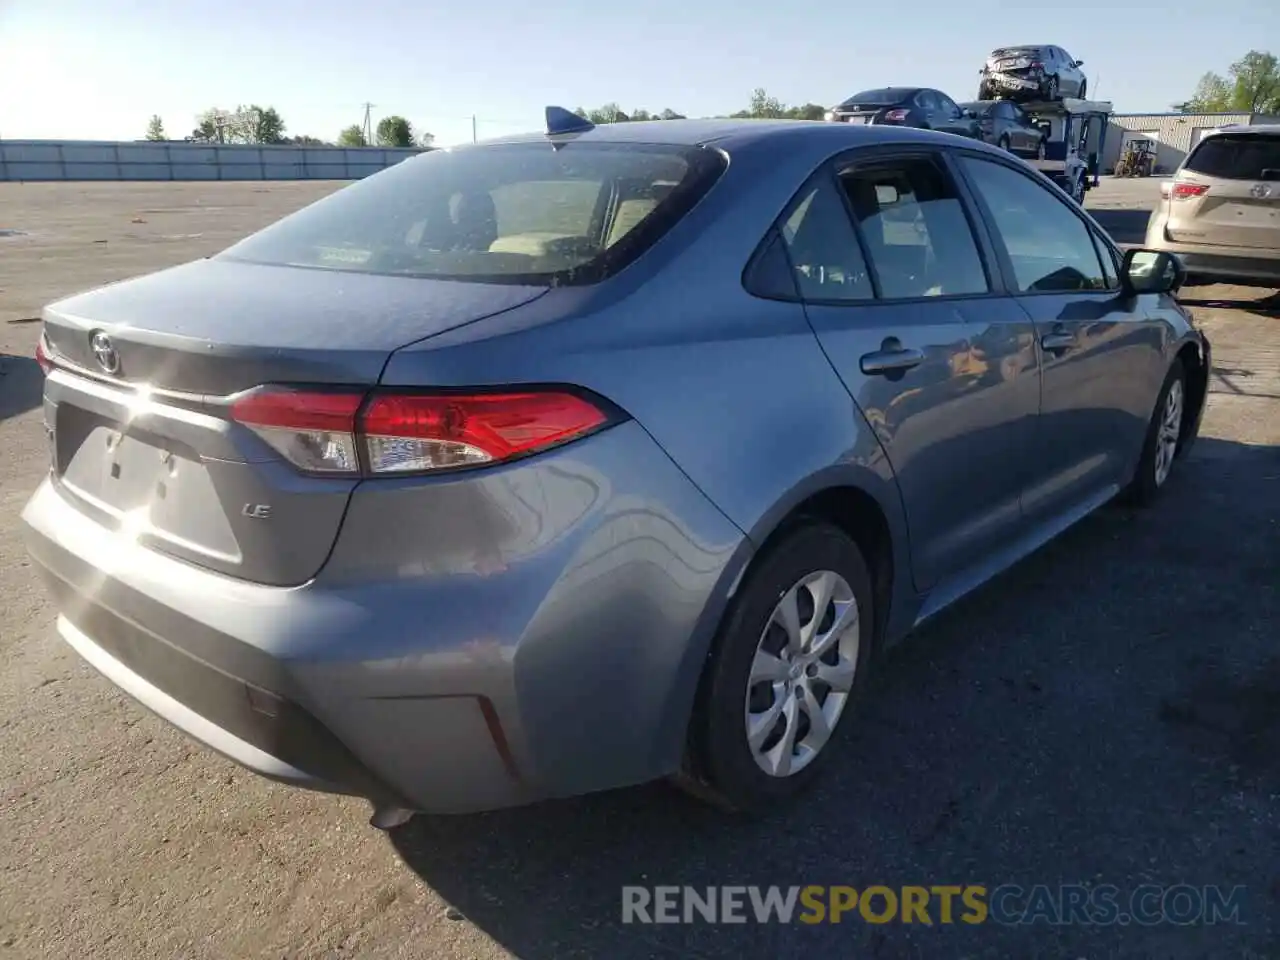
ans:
x=822 y=246
x=1050 y=248
x=917 y=235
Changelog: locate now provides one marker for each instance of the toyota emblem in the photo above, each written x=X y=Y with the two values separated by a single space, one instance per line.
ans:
x=104 y=352
x=1260 y=190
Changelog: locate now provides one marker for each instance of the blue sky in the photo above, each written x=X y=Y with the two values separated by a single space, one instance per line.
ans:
x=99 y=68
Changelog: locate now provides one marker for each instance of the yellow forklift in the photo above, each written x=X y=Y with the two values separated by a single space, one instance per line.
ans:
x=1137 y=160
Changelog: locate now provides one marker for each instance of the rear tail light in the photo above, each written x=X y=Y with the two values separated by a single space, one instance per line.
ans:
x=1186 y=191
x=42 y=356
x=895 y=116
x=404 y=433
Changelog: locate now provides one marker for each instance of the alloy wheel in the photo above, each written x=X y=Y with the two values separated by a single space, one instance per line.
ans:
x=802 y=673
x=1169 y=432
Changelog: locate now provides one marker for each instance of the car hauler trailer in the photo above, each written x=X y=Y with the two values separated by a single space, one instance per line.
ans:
x=1077 y=131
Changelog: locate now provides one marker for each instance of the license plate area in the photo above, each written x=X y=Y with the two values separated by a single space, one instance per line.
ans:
x=131 y=478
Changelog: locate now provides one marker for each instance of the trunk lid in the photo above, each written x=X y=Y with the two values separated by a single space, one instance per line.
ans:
x=147 y=447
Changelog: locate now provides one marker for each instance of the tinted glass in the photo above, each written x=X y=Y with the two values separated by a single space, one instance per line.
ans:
x=916 y=232
x=824 y=250
x=769 y=274
x=883 y=95
x=1247 y=157
x=1051 y=248
x=1110 y=266
x=509 y=213
x=984 y=107
x=947 y=103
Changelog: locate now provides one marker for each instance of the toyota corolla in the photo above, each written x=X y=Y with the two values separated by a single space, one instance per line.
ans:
x=594 y=456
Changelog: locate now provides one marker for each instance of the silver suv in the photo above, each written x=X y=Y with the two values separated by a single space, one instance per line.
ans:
x=1221 y=211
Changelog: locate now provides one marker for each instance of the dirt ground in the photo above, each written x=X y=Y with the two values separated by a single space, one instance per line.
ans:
x=1108 y=712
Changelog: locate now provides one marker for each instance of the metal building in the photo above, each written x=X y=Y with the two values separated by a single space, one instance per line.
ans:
x=1174 y=133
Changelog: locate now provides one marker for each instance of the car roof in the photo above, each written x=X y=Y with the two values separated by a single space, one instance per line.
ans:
x=1261 y=129
x=735 y=134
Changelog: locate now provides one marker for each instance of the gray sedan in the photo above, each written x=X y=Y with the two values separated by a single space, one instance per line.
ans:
x=595 y=456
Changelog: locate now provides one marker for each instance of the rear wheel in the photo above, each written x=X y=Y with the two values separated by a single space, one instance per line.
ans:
x=788 y=670
x=1163 y=439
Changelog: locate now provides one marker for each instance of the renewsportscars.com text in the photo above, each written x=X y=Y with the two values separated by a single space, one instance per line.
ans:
x=971 y=904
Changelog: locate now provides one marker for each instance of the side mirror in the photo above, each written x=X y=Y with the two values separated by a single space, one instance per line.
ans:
x=969 y=114
x=1078 y=63
x=1151 y=271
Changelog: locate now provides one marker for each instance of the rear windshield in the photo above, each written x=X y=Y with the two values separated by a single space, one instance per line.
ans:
x=1015 y=52
x=1243 y=157
x=883 y=95
x=503 y=213
x=981 y=107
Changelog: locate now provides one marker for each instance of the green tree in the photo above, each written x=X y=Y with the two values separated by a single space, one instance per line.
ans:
x=426 y=140
x=305 y=141
x=352 y=136
x=260 y=125
x=1252 y=85
x=394 y=131
x=155 y=128
x=1255 y=83
x=609 y=113
x=1213 y=95
x=669 y=114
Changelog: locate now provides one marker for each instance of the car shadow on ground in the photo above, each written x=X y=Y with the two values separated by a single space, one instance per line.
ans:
x=1264 y=306
x=1106 y=712
x=1125 y=226
x=21 y=385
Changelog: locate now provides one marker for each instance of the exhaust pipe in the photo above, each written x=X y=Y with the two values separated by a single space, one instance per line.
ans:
x=388 y=818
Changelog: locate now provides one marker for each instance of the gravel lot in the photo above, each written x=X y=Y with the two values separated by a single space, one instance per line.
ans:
x=1108 y=712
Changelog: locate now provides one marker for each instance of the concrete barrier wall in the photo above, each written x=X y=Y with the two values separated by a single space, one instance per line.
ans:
x=34 y=160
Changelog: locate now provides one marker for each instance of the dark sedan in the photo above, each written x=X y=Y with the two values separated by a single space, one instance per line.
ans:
x=1008 y=126
x=919 y=107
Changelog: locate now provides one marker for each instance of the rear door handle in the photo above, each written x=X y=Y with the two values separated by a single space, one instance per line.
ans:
x=893 y=360
x=1058 y=341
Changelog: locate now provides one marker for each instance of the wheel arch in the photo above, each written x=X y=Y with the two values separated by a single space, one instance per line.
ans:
x=1195 y=367
x=859 y=500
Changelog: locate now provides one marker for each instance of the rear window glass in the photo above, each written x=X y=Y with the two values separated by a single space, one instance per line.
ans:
x=501 y=213
x=982 y=107
x=1016 y=52
x=1247 y=157
x=883 y=95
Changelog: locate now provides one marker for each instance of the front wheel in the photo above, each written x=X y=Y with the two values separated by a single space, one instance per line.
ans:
x=1163 y=439
x=788 y=670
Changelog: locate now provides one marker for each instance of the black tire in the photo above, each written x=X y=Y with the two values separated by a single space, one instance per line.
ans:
x=1003 y=143
x=1146 y=484
x=719 y=765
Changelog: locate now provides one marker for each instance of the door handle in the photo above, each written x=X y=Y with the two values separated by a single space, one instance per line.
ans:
x=1057 y=341
x=892 y=360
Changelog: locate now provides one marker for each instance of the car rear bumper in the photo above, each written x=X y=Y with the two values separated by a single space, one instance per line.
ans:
x=563 y=663
x=1242 y=265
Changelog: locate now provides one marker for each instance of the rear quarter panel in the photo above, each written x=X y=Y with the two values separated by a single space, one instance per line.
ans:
x=736 y=390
